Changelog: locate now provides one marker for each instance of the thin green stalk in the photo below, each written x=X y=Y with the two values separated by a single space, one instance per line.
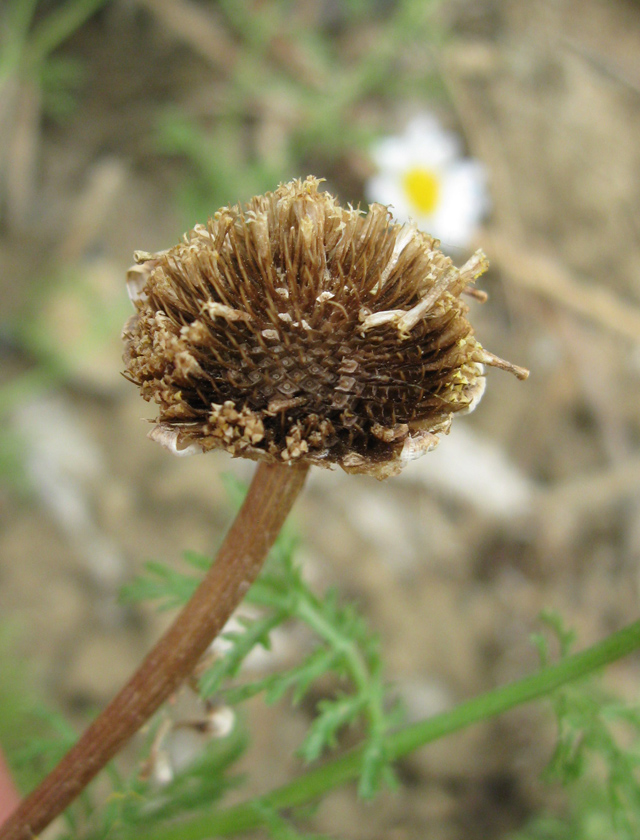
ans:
x=14 y=35
x=60 y=25
x=310 y=786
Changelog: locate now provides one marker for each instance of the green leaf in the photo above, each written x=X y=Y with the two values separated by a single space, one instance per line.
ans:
x=331 y=717
x=171 y=588
x=197 y=560
x=256 y=632
x=376 y=770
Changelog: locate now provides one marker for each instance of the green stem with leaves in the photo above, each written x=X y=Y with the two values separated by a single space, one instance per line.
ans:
x=313 y=784
x=367 y=680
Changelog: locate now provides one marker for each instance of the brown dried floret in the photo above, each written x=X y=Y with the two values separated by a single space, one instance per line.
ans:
x=296 y=329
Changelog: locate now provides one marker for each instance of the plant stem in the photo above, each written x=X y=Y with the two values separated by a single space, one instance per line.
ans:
x=17 y=24
x=59 y=25
x=313 y=784
x=271 y=495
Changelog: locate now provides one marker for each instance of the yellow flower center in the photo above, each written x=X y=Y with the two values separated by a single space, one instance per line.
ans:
x=422 y=186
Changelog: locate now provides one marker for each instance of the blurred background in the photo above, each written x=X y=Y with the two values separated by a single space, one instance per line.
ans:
x=507 y=125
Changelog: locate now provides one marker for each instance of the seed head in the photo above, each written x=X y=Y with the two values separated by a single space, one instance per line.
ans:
x=294 y=329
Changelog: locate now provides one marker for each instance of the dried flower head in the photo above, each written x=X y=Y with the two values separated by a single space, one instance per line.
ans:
x=294 y=329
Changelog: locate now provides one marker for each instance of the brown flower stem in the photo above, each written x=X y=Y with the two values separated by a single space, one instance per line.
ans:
x=271 y=495
x=8 y=794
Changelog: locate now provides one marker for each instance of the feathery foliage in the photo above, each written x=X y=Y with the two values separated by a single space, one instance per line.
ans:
x=597 y=755
x=344 y=649
x=597 y=750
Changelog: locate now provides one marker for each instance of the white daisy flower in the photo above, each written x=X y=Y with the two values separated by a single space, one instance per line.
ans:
x=424 y=178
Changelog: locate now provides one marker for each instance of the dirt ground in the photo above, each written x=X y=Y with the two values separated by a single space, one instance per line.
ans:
x=531 y=503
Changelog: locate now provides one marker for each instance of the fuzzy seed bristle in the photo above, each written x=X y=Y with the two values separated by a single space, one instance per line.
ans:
x=295 y=329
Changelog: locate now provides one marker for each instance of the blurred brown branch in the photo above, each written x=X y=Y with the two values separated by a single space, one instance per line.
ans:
x=543 y=275
x=196 y=27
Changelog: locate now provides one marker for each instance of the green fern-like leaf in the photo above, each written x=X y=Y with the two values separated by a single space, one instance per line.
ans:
x=597 y=750
x=331 y=717
x=242 y=643
x=161 y=583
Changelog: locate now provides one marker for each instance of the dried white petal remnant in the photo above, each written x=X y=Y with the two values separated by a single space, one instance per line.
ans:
x=170 y=439
x=294 y=329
